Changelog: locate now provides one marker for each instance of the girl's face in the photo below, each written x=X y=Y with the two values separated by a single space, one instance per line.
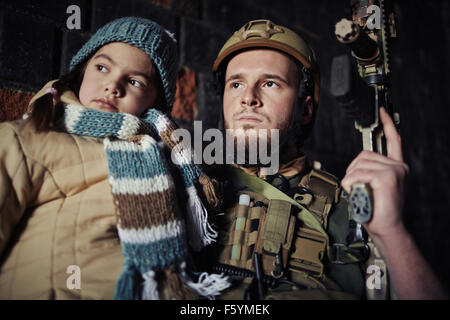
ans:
x=120 y=78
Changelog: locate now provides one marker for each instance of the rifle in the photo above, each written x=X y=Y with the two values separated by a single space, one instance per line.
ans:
x=368 y=35
x=369 y=40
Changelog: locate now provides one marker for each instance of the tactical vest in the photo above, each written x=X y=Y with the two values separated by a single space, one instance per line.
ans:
x=270 y=235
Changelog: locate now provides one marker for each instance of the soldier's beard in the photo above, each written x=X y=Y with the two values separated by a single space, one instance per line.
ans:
x=251 y=147
x=256 y=147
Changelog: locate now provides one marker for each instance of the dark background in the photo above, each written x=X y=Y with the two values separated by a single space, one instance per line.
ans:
x=36 y=46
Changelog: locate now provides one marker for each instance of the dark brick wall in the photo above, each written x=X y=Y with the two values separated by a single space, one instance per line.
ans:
x=35 y=46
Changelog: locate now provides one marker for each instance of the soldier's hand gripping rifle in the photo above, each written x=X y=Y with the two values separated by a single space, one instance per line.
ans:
x=368 y=35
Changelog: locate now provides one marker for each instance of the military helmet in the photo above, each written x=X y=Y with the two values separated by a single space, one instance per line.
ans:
x=266 y=34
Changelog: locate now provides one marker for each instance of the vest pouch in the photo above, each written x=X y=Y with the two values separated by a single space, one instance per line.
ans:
x=239 y=232
x=308 y=252
x=275 y=238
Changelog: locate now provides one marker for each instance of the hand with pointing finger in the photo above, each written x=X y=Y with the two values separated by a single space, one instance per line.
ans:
x=385 y=175
x=411 y=275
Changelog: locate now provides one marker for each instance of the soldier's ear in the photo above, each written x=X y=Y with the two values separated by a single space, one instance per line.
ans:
x=307 y=110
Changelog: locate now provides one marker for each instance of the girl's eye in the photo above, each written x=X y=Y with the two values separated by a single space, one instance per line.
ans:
x=101 y=68
x=135 y=83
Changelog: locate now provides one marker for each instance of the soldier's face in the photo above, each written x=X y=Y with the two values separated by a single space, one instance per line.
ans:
x=260 y=91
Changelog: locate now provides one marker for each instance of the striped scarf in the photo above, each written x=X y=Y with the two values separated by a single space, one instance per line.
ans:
x=151 y=223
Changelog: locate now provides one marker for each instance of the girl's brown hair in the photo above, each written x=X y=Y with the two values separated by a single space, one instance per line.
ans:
x=43 y=113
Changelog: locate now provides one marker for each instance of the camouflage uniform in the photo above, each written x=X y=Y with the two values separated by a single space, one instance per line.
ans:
x=302 y=268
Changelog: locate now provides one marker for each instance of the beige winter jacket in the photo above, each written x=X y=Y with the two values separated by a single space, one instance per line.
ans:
x=56 y=211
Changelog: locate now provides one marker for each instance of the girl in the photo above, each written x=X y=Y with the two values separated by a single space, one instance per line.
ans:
x=88 y=205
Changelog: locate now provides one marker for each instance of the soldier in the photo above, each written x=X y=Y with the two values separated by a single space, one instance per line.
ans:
x=283 y=233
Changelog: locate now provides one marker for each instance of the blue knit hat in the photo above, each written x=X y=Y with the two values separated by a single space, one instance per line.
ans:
x=146 y=35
